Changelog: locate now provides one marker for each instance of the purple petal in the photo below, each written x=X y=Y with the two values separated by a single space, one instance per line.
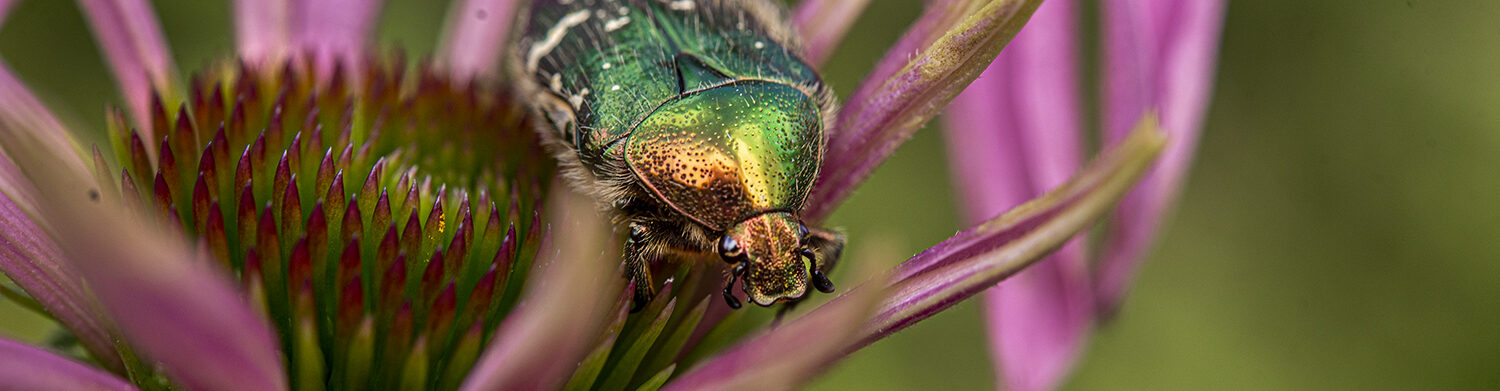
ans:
x=261 y=29
x=555 y=323
x=5 y=6
x=23 y=114
x=475 y=36
x=1013 y=134
x=765 y=362
x=906 y=90
x=823 y=23
x=30 y=258
x=335 y=31
x=127 y=32
x=166 y=298
x=17 y=101
x=28 y=255
x=17 y=190
x=180 y=310
x=976 y=259
x=1161 y=55
x=1040 y=320
x=30 y=368
x=171 y=302
x=20 y=108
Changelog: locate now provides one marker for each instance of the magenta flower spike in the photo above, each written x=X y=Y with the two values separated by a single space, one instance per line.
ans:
x=317 y=213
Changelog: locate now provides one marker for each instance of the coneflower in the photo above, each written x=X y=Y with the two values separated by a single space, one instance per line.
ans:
x=313 y=214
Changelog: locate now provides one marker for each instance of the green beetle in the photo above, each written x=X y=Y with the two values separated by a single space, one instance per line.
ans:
x=695 y=123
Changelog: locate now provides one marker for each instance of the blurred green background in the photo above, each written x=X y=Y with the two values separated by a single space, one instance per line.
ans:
x=1338 y=232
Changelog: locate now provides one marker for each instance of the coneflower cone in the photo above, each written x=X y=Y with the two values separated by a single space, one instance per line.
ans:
x=370 y=212
x=383 y=219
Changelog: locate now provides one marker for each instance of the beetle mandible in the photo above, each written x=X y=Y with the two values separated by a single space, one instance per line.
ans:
x=695 y=124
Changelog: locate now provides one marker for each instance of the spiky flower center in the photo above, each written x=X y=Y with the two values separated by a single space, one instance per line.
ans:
x=384 y=220
x=381 y=217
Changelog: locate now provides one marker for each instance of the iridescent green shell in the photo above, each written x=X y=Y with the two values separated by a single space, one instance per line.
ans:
x=705 y=102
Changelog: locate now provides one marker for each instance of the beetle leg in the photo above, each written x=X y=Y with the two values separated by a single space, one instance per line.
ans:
x=823 y=250
x=734 y=275
x=638 y=268
x=785 y=308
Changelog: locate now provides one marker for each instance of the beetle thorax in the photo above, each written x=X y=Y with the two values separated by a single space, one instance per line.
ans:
x=724 y=154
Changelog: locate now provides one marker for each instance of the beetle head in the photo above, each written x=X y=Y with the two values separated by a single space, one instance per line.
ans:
x=769 y=254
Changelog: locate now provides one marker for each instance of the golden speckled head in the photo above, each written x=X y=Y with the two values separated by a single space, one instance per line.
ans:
x=770 y=248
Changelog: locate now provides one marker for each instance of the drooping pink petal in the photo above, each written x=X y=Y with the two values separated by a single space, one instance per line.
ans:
x=906 y=90
x=29 y=368
x=30 y=258
x=166 y=298
x=16 y=188
x=22 y=112
x=475 y=37
x=556 y=322
x=822 y=25
x=181 y=310
x=1158 y=54
x=977 y=259
x=131 y=39
x=1015 y=132
x=1039 y=321
x=28 y=255
x=262 y=29
x=1012 y=135
x=334 y=31
x=173 y=303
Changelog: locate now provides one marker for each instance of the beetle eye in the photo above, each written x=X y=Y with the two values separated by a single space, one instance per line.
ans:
x=802 y=233
x=730 y=250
